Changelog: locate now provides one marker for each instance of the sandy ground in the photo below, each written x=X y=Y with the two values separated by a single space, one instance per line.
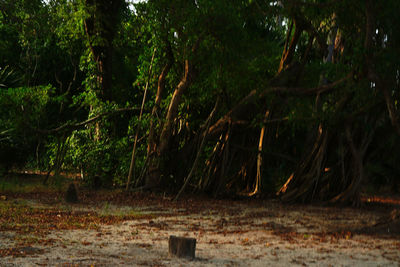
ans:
x=265 y=233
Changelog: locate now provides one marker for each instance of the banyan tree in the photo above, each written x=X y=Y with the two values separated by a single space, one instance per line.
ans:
x=311 y=120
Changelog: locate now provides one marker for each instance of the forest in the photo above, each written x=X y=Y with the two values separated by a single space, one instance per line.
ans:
x=294 y=99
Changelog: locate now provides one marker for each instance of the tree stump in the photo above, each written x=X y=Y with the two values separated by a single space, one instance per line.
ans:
x=71 y=196
x=182 y=247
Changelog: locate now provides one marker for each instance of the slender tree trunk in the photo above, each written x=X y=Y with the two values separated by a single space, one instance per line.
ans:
x=351 y=192
x=258 y=184
x=288 y=51
x=166 y=133
x=156 y=111
x=132 y=165
x=302 y=183
x=200 y=150
x=58 y=161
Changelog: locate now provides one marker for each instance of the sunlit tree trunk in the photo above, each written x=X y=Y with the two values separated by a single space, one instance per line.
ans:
x=290 y=46
x=160 y=145
x=258 y=183
x=156 y=111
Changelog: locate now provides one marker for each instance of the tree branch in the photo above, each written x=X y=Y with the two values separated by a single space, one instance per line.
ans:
x=301 y=91
x=73 y=126
x=253 y=96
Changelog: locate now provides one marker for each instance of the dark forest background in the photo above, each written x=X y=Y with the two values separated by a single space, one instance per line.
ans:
x=296 y=98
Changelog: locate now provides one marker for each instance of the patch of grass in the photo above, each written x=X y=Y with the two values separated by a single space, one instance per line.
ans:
x=120 y=212
x=28 y=183
x=26 y=239
x=26 y=218
x=22 y=218
x=105 y=210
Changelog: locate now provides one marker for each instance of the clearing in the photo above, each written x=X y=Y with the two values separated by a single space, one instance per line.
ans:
x=115 y=228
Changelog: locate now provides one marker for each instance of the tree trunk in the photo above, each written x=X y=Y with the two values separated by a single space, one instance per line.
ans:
x=351 y=192
x=158 y=158
x=258 y=184
x=166 y=133
x=288 y=51
x=302 y=184
x=100 y=27
x=132 y=165
x=182 y=247
x=200 y=150
x=158 y=148
x=155 y=112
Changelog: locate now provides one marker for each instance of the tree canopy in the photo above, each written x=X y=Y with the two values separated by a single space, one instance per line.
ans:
x=298 y=99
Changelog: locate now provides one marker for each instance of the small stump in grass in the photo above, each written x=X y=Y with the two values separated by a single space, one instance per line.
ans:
x=182 y=247
x=71 y=196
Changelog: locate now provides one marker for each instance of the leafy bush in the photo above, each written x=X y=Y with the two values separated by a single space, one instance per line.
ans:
x=22 y=112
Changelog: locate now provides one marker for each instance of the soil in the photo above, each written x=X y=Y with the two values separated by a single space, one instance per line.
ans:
x=115 y=228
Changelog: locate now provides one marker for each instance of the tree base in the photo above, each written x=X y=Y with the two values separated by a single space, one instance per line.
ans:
x=182 y=247
x=71 y=196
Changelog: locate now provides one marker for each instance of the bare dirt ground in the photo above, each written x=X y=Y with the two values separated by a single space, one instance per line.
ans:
x=228 y=233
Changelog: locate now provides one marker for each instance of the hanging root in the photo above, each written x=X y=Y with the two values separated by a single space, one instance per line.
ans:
x=303 y=183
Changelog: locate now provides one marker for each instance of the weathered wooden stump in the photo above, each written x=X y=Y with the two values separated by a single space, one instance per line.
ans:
x=71 y=196
x=182 y=247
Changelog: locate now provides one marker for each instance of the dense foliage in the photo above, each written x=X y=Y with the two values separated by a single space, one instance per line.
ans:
x=224 y=97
